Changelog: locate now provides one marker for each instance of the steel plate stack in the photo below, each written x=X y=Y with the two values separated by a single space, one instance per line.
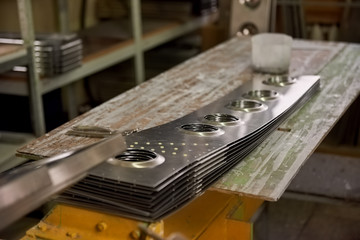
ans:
x=167 y=166
x=54 y=53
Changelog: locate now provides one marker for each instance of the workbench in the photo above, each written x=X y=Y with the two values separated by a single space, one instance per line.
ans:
x=267 y=171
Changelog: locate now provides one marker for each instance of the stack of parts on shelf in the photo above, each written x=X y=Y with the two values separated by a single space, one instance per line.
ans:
x=54 y=53
x=167 y=166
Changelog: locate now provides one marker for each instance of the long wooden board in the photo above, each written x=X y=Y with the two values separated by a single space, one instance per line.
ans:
x=189 y=86
x=268 y=170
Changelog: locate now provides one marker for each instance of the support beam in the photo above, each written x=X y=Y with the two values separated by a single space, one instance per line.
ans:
x=137 y=35
x=34 y=85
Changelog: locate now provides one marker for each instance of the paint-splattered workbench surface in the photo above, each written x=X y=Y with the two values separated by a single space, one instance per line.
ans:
x=269 y=169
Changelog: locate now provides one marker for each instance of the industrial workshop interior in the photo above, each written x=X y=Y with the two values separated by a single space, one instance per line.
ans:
x=180 y=119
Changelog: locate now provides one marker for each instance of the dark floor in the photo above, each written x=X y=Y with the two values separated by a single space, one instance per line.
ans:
x=292 y=219
x=322 y=202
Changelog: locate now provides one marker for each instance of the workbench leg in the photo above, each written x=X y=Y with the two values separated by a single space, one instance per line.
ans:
x=63 y=16
x=70 y=93
x=215 y=215
x=240 y=220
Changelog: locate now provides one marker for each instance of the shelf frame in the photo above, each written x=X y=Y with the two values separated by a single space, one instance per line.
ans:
x=135 y=47
x=13 y=58
x=115 y=54
x=34 y=84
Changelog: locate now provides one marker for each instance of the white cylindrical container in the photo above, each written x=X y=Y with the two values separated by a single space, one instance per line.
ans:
x=271 y=52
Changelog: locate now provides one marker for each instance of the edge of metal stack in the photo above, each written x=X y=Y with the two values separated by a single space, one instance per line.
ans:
x=166 y=166
x=54 y=53
x=24 y=188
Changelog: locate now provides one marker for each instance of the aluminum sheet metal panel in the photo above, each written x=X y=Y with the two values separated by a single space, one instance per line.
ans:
x=26 y=187
x=166 y=166
x=181 y=148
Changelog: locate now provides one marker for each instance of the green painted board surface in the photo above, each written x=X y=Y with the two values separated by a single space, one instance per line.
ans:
x=269 y=169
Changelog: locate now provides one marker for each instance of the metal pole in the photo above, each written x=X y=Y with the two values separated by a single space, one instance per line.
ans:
x=69 y=90
x=273 y=12
x=225 y=16
x=138 y=45
x=63 y=16
x=285 y=19
x=302 y=20
x=34 y=85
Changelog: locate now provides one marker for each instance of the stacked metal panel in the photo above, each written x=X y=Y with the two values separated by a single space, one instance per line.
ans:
x=54 y=53
x=167 y=166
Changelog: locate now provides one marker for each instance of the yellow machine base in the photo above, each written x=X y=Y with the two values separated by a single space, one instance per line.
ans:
x=213 y=215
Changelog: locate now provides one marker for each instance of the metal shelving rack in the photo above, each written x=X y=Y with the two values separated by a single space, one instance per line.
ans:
x=10 y=57
x=25 y=55
x=134 y=47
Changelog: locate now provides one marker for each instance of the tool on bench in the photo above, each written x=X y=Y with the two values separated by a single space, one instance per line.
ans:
x=26 y=187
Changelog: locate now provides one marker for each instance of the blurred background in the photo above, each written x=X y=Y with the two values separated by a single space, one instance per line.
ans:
x=174 y=31
x=89 y=51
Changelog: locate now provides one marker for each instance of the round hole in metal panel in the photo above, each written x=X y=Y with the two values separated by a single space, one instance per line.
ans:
x=279 y=80
x=200 y=129
x=262 y=95
x=246 y=106
x=250 y=3
x=137 y=158
x=221 y=119
x=247 y=29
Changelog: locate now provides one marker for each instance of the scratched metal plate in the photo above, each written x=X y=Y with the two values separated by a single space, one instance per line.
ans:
x=205 y=178
x=181 y=150
x=192 y=162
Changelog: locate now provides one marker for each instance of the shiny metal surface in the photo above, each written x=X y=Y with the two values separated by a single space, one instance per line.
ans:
x=246 y=105
x=262 y=95
x=90 y=131
x=202 y=130
x=193 y=157
x=54 y=53
x=27 y=187
x=137 y=158
x=250 y=3
x=221 y=119
x=279 y=80
x=247 y=29
x=170 y=141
